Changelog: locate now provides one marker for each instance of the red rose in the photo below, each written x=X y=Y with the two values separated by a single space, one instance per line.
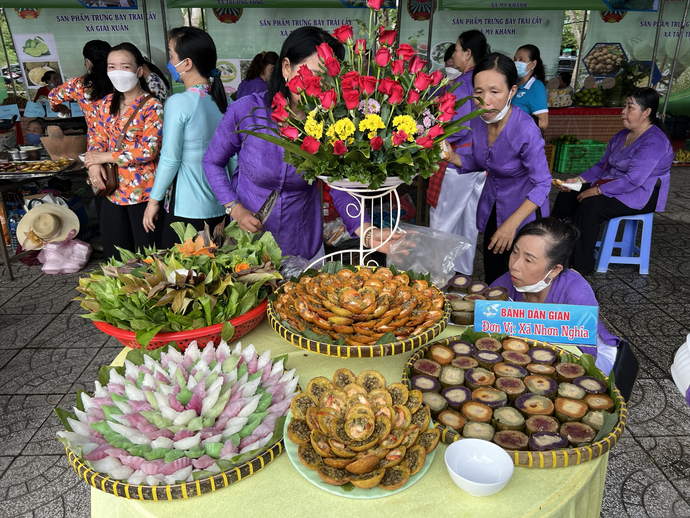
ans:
x=312 y=86
x=383 y=57
x=295 y=84
x=279 y=115
x=397 y=94
x=446 y=116
x=351 y=98
x=446 y=102
x=375 y=4
x=386 y=37
x=398 y=67
x=344 y=34
x=416 y=64
x=305 y=71
x=376 y=143
x=350 y=80
x=324 y=51
x=339 y=147
x=332 y=66
x=412 y=96
x=425 y=142
x=361 y=47
x=386 y=85
x=422 y=81
x=399 y=137
x=328 y=99
x=279 y=101
x=310 y=145
x=436 y=77
x=367 y=84
x=289 y=132
x=435 y=131
x=405 y=51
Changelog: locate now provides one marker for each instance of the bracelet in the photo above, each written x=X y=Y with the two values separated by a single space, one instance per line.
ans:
x=228 y=210
x=367 y=236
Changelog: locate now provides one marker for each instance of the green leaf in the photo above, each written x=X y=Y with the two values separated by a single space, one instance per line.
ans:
x=145 y=336
x=227 y=332
x=588 y=362
x=386 y=338
x=136 y=356
x=609 y=424
x=283 y=357
x=63 y=415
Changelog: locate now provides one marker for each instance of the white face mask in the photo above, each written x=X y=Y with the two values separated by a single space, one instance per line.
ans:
x=501 y=114
x=123 y=81
x=452 y=73
x=536 y=288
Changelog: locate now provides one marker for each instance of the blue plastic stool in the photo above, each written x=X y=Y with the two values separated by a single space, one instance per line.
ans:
x=627 y=245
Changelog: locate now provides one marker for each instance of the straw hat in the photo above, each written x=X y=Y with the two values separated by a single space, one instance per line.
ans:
x=45 y=223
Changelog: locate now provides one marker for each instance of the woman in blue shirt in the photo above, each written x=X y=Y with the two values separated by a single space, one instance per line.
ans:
x=190 y=121
x=531 y=94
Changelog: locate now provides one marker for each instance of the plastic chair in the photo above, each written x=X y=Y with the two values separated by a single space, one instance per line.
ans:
x=627 y=246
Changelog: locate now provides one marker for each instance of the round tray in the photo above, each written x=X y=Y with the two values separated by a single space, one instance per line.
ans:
x=176 y=491
x=539 y=459
x=365 y=351
x=242 y=324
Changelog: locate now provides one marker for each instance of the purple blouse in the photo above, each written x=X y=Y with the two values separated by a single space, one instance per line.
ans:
x=569 y=287
x=516 y=166
x=296 y=218
x=255 y=86
x=635 y=169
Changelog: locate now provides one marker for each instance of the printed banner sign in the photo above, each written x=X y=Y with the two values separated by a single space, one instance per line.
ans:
x=34 y=110
x=558 y=323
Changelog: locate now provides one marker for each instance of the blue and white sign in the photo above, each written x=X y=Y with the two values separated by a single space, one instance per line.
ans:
x=49 y=112
x=561 y=323
x=8 y=111
x=34 y=110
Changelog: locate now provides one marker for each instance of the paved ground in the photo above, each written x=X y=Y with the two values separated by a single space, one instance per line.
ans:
x=47 y=353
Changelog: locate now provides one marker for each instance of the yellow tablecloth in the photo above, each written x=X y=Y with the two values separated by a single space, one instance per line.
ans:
x=278 y=490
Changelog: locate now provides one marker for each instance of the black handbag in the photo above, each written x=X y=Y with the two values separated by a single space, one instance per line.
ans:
x=625 y=369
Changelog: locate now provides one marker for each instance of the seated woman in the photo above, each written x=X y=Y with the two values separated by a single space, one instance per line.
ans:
x=34 y=131
x=632 y=177
x=539 y=273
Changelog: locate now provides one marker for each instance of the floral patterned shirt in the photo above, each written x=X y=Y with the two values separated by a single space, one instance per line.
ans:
x=157 y=87
x=138 y=157
x=74 y=90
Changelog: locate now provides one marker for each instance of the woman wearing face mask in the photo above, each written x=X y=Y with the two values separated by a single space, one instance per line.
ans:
x=296 y=220
x=34 y=131
x=87 y=90
x=51 y=80
x=121 y=218
x=453 y=197
x=539 y=273
x=191 y=119
x=512 y=153
x=632 y=177
x=258 y=74
x=531 y=94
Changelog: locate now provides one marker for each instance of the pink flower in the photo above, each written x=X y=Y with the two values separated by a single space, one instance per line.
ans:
x=324 y=51
x=386 y=85
x=386 y=37
x=344 y=34
x=279 y=101
x=436 y=77
x=405 y=51
x=425 y=142
x=398 y=67
x=295 y=84
x=305 y=71
x=422 y=81
x=310 y=145
x=361 y=47
x=332 y=66
x=376 y=143
x=350 y=80
x=367 y=84
x=435 y=131
x=339 y=147
x=328 y=99
x=399 y=137
x=289 y=132
x=351 y=98
x=416 y=64
x=383 y=57
x=312 y=86
x=397 y=94
x=375 y=4
x=412 y=96
x=279 y=115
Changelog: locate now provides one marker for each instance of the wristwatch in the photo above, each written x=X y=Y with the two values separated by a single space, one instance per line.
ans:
x=228 y=209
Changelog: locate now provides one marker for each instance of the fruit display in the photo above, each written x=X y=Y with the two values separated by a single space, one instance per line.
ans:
x=519 y=396
x=359 y=307
x=43 y=166
x=589 y=97
x=36 y=47
x=462 y=292
x=559 y=97
x=358 y=430
x=170 y=417
x=681 y=156
x=605 y=59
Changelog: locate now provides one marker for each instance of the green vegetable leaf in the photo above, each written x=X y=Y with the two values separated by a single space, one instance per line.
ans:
x=145 y=336
x=227 y=331
x=136 y=356
x=63 y=415
x=588 y=362
x=609 y=424
x=386 y=339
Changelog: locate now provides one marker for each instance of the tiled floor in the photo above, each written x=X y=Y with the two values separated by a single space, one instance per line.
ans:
x=47 y=353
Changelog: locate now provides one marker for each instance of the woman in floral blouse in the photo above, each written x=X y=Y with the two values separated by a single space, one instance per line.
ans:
x=87 y=90
x=122 y=214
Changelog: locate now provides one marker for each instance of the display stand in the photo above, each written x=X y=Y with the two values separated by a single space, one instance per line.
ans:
x=367 y=201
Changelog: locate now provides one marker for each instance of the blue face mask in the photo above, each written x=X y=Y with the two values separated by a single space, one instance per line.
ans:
x=173 y=71
x=33 y=139
x=521 y=68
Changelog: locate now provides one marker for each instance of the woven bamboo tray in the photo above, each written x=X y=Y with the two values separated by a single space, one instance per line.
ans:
x=539 y=459
x=366 y=351
x=176 y=491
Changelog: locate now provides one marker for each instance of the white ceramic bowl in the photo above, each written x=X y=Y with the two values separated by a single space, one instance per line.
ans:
x=479 y=467
x=82 y=157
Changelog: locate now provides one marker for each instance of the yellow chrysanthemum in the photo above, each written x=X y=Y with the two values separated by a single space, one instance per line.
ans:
x=372 y=123
x=343 y=128
x=313 y=128
x=407 y=124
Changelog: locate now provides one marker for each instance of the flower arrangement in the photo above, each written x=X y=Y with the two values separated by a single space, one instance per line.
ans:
x=373 y=115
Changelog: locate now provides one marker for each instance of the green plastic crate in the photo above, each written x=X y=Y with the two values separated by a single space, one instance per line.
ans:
x=577 y=158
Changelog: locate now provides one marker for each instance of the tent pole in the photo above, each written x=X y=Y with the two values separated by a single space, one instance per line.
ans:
x=164 y=19
x=203 y=19
x=7 y=56
x=146 y=30
x=582 y=44
x=398 y=21
x=656 y=41
x=429 y=64
x=189 y=15
x=681 y=33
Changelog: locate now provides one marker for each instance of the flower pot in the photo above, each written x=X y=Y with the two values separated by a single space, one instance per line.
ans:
x=346 y=185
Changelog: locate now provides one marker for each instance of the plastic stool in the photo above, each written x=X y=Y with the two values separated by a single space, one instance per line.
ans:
x=627 y=245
